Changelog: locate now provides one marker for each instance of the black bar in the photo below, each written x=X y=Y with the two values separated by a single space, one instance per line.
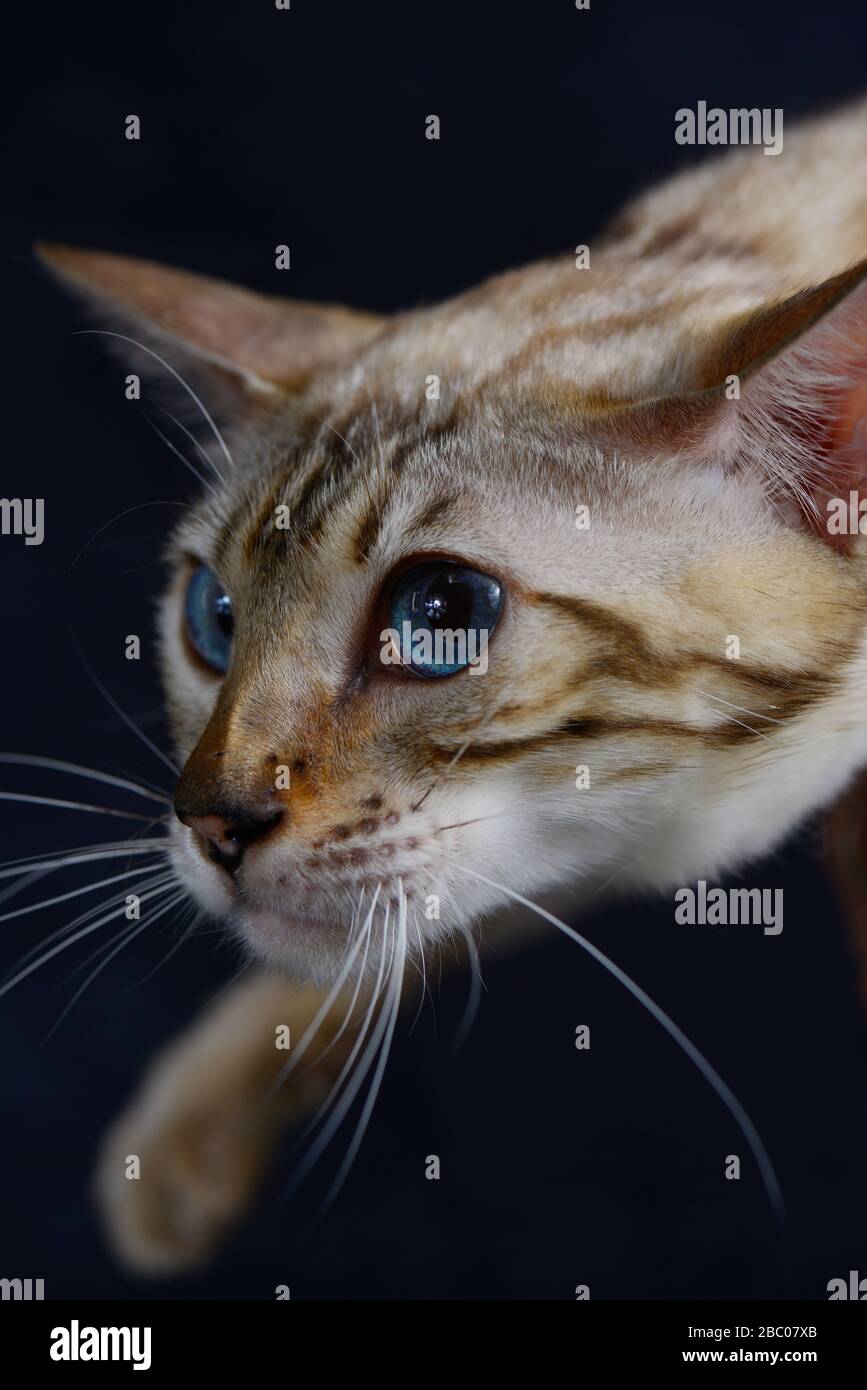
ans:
x=239 y=1337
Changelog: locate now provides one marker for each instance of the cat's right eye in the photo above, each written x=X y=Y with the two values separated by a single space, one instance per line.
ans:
x=208 y=618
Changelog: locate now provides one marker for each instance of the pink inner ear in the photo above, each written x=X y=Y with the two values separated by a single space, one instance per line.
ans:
x=841 y=496
x=802 y=420
x=854 y=420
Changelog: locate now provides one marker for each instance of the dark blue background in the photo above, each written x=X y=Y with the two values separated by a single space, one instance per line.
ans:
x=307 y=127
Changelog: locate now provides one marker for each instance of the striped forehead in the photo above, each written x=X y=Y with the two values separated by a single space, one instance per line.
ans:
x=302 y=526
x=365 y=499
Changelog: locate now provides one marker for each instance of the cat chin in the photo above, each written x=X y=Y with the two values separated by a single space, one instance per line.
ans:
x=267 y=932
x=291 y=945
x=323 y=943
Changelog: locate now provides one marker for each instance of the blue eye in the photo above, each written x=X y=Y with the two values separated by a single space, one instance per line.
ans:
x=441 y=616
x=208 y=613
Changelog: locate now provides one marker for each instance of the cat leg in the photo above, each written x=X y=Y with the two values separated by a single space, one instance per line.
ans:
x=182 y=1163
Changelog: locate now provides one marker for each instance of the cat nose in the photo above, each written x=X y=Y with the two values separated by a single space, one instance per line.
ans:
x=227 y=831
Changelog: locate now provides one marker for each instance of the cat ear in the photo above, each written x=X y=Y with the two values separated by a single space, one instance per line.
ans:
x=792 y=378
x=239 y=345
x=781 y=393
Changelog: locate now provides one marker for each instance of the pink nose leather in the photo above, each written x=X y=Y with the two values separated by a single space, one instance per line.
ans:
x=219 y=832
x=226 y=837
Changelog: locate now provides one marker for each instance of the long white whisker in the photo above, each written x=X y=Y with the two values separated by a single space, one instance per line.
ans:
x=360 y=1036
x=177 y=453
x=209 y=463
x=72 y=805
x=474 y=998
x=57 y=765
x=325 y=1006
x=61 y=946
x=130 y=723
x=162 y=502
x=350 y=1009
x=423 y=972
x=169 y=368
x=726 y=1095
x=730 y=719
x=113 y=850
x=742 y=709
x=195 y=922
x=161 y=879
x=127 y=938
x=391 y=952
x=389 y=1018
x=375 y=414
x=151 y=890
x=330 y=1128
x=482 y=724
x=74 y=893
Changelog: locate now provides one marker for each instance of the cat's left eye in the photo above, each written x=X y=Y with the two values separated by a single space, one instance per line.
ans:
x=208 y=617
x=440 y=616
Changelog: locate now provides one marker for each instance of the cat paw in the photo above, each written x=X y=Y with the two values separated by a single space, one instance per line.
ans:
x=175 y=1174
x=182 y=1164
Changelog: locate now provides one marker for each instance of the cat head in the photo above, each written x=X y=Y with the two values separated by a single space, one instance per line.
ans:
x=616 y=509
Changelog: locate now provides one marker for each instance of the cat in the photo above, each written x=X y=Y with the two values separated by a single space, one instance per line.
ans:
x=621 y=473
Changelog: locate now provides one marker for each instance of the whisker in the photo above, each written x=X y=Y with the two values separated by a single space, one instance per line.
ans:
x=159 y=881
x=474 y=998
x=130 y=723
x=389 y=1018
x=347 y=1072
x=315 y=1062
x=125 y=941
x=190 y=436
x=362 y=472
x=74 y=893
x=107 y=333
x=76 y=769
x=726 y=1095
x=189 y=930
x=730 y=719
x=177 y=453
x=360 y=975
x=425 y=991
x=55 y=950
x=137 y=508
x=476 y=820
x=73 y=806
x=113 y=849
x=482 y=724
x=312 y=1028
x=153 y=888
x=375 y=413
x=741 y=708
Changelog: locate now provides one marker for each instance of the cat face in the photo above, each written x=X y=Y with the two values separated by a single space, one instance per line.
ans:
x=669 y=648
x=650 y=680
